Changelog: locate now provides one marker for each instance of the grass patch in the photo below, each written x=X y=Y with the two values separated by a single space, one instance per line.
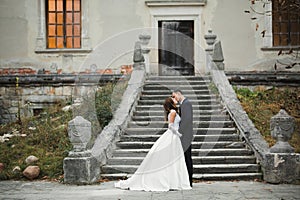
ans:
x=47 y=134
x=46 y=138
x=262 y=103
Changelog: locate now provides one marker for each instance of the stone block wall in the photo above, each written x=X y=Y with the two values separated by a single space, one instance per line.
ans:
x=27 y=100
x=27 y=92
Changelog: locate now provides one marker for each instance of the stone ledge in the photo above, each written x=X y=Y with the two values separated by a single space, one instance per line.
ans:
x=157 y=3
x=59 y=51
x=278 y=78
x=61 y=79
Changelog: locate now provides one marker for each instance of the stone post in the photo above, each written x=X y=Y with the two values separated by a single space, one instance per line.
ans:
x=210 y=40
x=217 y=56
x=282 y=165
x=138 y=58
x=80 y=167
x=144 y=39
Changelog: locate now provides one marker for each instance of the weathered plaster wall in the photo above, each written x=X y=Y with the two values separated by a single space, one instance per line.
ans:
x=112 y=27
x=234 y=28
x=14 y=29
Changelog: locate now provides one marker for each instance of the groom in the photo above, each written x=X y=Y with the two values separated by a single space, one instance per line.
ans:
x=186 y=129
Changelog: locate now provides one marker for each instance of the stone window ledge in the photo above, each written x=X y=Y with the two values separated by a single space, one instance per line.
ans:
x=63 y=51
x=280 y=48
x=175 y=3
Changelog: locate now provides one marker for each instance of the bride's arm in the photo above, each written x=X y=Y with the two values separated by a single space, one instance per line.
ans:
x=171 y=123
x=172 y=116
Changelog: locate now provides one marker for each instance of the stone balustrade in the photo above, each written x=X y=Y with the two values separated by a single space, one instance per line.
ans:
x=83 y=166
x=279 y=163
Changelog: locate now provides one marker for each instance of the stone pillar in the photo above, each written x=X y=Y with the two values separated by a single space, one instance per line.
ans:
x=144 y=39
x=80 y=167
x=282 y=165
x=210 y=40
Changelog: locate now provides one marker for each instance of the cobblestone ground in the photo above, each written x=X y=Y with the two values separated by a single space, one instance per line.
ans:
x=106 y=191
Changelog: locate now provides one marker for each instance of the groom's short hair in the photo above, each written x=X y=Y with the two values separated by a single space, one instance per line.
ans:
x=177 y=91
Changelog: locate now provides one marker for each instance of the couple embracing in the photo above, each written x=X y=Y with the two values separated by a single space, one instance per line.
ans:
x=168 y=165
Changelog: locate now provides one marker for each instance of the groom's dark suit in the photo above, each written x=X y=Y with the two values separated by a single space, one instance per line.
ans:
x=186 y=129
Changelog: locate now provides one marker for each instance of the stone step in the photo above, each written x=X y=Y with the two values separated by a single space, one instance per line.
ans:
x=228 y=176
x=196 y=160
x=204 y=78
x=177 y=82
x=160 y=101
x=200 y=93
x=195 y=144
x=195 y=152
x=174 y=87
x=179 y=78
x=161 y=124
x=197 y=117
x=199 y=99
x=199 y=176
x=195 y=103
x=158 y=110
x=197 y=131
x=203 y=168
x=197 y=138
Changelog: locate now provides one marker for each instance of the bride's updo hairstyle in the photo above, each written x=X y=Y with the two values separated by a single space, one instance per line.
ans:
x=168 y=106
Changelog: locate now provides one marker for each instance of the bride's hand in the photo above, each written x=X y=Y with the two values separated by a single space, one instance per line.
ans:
x=171 y=127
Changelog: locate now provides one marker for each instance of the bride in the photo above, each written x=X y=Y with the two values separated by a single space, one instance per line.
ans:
x=164 y=167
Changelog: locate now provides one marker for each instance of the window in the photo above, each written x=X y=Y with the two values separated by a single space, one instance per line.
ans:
x=63 y=19
x=286 y=22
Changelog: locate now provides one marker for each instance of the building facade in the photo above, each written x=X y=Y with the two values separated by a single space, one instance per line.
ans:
x=77 y=35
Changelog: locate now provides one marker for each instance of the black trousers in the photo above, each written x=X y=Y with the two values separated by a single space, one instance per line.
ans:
x=189 y=163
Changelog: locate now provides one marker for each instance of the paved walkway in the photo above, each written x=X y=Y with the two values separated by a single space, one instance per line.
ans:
x=106 y=191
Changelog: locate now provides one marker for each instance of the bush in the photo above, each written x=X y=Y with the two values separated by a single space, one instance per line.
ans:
x=46 y=138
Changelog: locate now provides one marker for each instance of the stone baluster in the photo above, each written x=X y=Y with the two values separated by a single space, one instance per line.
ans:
x=210 y=40
x=144 y=39
x=282 y=127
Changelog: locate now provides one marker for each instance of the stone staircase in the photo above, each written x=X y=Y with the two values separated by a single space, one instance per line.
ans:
x=217 y=151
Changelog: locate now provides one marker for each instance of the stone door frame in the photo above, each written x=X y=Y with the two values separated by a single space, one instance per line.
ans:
x=177 y=11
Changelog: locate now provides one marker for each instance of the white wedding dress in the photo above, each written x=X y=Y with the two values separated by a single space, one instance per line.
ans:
x=164 y=167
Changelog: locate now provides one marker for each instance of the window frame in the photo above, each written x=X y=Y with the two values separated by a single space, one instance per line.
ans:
x=41 y=39
x=268 y=40
x=63 y=29
x=283 y=19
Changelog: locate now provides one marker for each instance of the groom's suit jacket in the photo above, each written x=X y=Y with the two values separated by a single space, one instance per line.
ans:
x=186 y=123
